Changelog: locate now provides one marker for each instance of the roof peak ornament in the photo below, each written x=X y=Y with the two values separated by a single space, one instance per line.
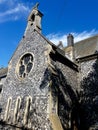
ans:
x=36 y=6
x=34 y=19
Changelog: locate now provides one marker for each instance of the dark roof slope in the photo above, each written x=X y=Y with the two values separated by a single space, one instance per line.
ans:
x=86 y=47
x=3 y=72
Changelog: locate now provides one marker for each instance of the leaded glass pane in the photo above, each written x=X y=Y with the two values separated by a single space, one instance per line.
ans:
x=26 y=59
x=29 y=67
x=21 y=70
x=26 y=64
x=24 y=75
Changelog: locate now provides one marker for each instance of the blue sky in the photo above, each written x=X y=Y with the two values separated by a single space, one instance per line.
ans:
x=61 y=17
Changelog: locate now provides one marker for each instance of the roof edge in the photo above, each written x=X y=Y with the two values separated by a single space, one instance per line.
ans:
x=61 y=54
x=3 y=72
x=86 y=58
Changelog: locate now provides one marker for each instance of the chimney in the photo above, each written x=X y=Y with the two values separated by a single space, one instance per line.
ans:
x=70 y=40
x=69 y=51
x=60 y=45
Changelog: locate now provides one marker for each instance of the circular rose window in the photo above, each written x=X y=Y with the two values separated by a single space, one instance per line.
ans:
x=25 y=65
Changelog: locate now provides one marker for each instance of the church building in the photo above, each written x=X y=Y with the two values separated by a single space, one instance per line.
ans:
x=48 y=87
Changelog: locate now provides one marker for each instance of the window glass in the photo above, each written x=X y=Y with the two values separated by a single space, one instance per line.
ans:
x=25 y=65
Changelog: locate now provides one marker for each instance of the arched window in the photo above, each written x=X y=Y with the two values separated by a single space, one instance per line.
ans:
x=27 y=109
x=7 y=112
x=33 y=17
x=17 y=108
x=25 y=65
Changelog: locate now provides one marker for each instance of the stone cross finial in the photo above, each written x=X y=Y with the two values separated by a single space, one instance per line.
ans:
x=34 y=18
x=36 y=6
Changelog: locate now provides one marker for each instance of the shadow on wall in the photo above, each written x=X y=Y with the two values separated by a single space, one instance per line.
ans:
x=89 y=100
x=81 y=109
x=67 y=98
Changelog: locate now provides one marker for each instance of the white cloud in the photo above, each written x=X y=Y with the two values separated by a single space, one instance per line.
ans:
x=55 y=38
x=8 y=2
x=19 y=8
x=2 y=1
x=13 y=10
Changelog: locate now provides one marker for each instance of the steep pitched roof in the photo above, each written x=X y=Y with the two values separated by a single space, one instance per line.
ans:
x=3 y=72
x=60 y=53
x=86 y=47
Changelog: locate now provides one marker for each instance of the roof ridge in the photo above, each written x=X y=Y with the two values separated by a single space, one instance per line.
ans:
x=87 y=38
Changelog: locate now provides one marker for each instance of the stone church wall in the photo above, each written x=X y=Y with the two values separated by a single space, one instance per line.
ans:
x=65 y=83
x=23 y=102
x=89 y=95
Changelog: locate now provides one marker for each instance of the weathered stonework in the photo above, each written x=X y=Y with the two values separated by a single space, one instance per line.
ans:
x=88 y=95
x=46 y=84
x=29 y=86
x=55 y=93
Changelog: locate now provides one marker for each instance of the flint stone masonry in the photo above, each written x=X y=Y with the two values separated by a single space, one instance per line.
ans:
x=14 y=86
x=64 y=87
x=57 y=93
x=89 y=95
x=36 y=85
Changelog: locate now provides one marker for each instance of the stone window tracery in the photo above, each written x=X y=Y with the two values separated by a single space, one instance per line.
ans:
x=25 y=65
